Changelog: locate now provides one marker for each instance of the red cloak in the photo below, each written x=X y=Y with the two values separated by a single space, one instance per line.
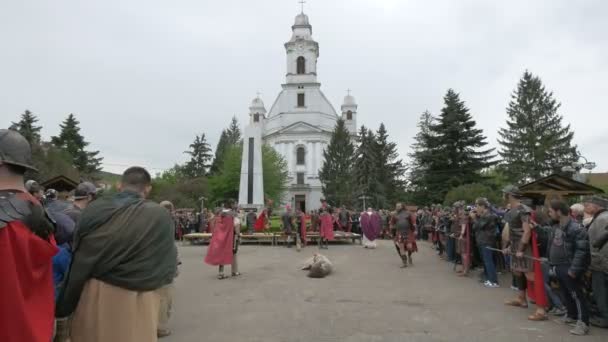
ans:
x=260 y=223
x=537 y=292
x=26 y=291
x=303 y=229
x=222 y=241
x=327 y=227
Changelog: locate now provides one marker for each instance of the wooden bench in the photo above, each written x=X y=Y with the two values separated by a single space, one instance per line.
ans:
x=273 y=238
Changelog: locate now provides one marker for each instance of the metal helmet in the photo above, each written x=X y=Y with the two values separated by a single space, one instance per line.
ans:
x=15 y=150
x=167 y=205
x=512 y=190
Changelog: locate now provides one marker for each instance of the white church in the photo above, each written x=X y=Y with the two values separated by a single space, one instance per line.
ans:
x=298 y=126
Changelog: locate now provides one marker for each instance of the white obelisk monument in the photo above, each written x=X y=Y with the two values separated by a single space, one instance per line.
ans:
x=251 y=190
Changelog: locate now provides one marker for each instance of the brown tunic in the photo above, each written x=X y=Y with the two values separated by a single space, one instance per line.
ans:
x=516 y=218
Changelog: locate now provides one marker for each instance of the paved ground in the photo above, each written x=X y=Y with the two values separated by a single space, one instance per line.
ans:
x=368 y=298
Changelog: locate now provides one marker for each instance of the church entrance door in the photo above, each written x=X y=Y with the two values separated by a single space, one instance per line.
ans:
x=301 y=202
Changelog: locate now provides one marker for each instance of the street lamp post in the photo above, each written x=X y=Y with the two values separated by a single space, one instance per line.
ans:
x=364 y=203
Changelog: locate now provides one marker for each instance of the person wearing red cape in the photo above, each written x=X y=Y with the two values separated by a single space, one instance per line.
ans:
x=521 y=245
x=262 y=222
x=464 y=244
x=326 y=231
x=224 y=243
x=405 y=238
x=26 y=250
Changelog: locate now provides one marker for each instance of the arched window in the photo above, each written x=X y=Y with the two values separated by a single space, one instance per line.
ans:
x=300 y=156
x=301 y=65
x=349 y=115
x=256 y=117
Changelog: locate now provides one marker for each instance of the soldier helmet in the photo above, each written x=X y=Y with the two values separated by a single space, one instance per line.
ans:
x=167 y=205
x=15 y=150
x=84 y=189
x=512 y=190
x=482 y=201
x=458 y=204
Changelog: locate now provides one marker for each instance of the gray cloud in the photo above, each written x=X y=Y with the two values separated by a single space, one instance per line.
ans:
x=144 y=77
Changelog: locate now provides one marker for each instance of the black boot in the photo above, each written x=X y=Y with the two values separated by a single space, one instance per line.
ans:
x=404 y=260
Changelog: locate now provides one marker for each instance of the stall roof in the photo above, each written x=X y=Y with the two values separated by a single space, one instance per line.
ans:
x=60 y=183
x=558 y=184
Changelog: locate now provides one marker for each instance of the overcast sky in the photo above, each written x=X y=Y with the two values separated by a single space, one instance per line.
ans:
x=145 y=76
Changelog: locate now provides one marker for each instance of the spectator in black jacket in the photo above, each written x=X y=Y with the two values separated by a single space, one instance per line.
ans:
x=569 y=257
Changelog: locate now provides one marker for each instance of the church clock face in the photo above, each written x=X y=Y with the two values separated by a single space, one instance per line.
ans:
x=300 y=47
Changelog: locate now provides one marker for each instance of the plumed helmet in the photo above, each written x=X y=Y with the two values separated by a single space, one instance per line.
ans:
x=15 y=150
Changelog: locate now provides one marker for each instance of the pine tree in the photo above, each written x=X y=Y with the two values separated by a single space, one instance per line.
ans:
x=390 y=169
x=337 y=170
x=233 y=133
x=200 y=156
x=366 y=181
x=70 y=139
x=230 y=137
x=27 y=127
x=220 y=152
x=419 y=164
x=457 y=156
x=535 y=142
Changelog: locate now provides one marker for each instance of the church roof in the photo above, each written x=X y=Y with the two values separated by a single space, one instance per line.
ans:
x=349 y=100
x=301 y=20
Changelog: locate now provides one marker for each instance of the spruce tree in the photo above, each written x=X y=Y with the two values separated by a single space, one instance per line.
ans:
x=390 y=169
x=233 y=133
x=200 y=156
x=419 y=164
x=70 y=139
x=337 y=170
x=230 y=137
x=535 y=142
x=220 y=152
x=27 y=127
x=457 y=149
x=365 y=173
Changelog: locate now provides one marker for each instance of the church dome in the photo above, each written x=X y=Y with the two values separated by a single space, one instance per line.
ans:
x=257 y=106
x=349 y=100
x=257 y=103
x=302 y=20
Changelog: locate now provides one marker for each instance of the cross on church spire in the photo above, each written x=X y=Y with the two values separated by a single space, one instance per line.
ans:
x=302 y=2
x=348 y=91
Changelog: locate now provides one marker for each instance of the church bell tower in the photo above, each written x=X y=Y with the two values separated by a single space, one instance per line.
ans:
x=302 y=53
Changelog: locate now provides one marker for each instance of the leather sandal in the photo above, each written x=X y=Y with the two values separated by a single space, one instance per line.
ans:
x=537 y=317
x=516 y=302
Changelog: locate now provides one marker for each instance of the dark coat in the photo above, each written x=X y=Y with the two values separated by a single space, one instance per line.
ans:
x=576 y=242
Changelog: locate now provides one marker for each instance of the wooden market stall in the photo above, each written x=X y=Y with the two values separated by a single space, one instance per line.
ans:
x=556 y=186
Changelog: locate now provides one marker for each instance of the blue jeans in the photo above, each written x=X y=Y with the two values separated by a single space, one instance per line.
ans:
x=489 y=268
x=451 y=249
x=554 y=299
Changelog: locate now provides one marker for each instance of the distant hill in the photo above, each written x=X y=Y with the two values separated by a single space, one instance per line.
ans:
x=108 y=178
